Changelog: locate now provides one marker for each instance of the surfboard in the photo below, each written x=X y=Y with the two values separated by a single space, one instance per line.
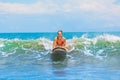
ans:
x=58 y=54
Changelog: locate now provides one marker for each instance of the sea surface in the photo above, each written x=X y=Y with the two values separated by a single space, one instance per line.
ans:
x=91 y=56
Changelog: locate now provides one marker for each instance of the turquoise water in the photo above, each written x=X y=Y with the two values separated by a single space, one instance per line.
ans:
x=91 y=56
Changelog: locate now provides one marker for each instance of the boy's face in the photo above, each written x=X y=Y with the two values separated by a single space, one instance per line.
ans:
x=59 y=34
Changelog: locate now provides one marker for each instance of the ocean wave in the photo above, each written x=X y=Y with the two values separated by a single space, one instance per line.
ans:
x=99 y=47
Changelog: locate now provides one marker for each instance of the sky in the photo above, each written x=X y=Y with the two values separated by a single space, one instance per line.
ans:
x=66 y=15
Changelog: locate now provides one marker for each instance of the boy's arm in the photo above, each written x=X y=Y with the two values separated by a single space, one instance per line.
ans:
x=64 y=42
x=64 y=46
x=54 y=43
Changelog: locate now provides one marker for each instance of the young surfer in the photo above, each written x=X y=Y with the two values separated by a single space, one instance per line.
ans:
x=59 y=41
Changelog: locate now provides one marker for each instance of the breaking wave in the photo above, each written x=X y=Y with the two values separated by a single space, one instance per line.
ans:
x=103 y=47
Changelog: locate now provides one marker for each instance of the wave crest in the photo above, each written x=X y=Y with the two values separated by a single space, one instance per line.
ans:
x=100 y=46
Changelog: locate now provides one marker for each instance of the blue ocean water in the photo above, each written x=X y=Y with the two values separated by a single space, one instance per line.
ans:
x=91 y=56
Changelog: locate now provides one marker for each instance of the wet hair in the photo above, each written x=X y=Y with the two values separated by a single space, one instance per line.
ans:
x=60 y=31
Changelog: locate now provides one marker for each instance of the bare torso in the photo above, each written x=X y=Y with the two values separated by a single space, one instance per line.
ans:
x=59 y=42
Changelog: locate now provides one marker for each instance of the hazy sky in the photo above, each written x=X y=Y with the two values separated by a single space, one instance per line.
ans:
x=51 y=15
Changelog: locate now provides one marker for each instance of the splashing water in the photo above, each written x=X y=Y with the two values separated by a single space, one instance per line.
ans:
x=33 y=55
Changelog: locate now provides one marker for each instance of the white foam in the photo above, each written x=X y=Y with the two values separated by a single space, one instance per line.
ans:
x=2 y=45
x=47 y=43
x=111 y=38
x=100 y=51
x=98 y=54
x=16 y=39
x=4 y=54
x=84 y=36
x=87 y=52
